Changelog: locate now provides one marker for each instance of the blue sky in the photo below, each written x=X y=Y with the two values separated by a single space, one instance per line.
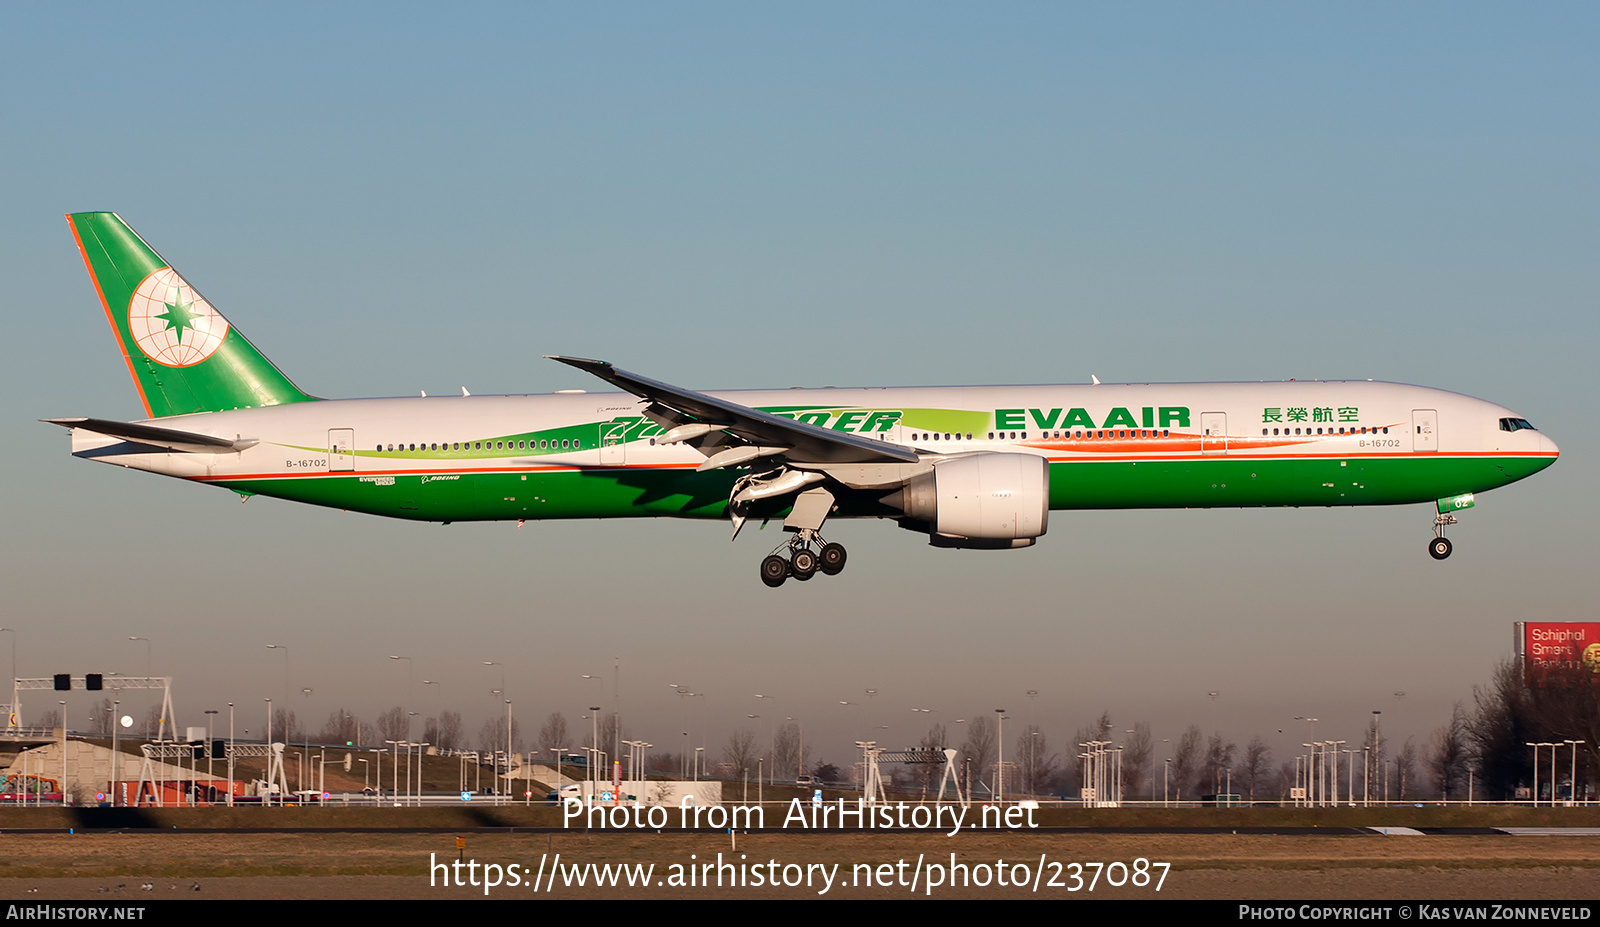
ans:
x=392 y=199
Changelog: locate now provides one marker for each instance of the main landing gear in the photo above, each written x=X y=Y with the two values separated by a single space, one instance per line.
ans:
x=1439 y=548
x=803 y=562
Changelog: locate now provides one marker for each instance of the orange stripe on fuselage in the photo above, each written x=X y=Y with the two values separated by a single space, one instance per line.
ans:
x=1124 y=458
x=1186 y=442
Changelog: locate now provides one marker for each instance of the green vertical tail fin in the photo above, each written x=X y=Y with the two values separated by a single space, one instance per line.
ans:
x=183 y=355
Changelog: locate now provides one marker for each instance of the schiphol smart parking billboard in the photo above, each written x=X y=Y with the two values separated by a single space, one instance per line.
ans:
x=1566 y=649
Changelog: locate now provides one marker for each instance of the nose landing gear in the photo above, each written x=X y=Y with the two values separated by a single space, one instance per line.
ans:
x=1439 y=548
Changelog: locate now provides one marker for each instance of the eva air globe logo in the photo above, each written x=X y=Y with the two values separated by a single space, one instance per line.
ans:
x=172 y=324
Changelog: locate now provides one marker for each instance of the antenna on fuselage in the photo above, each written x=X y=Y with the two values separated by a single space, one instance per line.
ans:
x=1094 y=379
x=464 y=392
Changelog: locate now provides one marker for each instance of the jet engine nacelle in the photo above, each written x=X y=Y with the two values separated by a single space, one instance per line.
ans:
x=991 y=500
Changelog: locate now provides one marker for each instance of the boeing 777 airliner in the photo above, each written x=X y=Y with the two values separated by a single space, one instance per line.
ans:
x=970 y=467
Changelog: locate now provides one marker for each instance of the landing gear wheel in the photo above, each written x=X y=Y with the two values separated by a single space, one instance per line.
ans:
x=832 y=559
x=774 y=570
x=804 y=564
x=1439 y=548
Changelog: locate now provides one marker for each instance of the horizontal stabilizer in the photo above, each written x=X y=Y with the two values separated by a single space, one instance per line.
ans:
x=183 y=441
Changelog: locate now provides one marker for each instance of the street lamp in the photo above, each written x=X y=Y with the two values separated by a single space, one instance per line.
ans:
x=1000 y=765
x=230 y=754
x=410 y=690
x=211 y=742
x=438 y=704
x=1574 y=793
x=13 y=719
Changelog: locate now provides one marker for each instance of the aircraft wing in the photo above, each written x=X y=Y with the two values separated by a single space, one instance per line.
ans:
x=170 y=438
x=764 y=434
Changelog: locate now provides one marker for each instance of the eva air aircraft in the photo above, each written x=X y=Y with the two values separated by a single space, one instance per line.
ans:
x=970 y=467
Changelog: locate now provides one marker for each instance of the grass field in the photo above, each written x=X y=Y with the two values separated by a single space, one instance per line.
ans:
x=386 y=853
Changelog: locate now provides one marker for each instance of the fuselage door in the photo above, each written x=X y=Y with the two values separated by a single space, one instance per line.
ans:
x=1424 y=430
x=341 y=450
x=1214 y=432
x=612 y=435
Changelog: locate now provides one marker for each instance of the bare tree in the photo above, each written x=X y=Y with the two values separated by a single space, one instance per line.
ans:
x=665 y=762
x=1450 y=756
x=1288 y=778
x=1099 y=729
x=152 y=722
x=447 y=734
x=492 y=736
x=1375 y=747
x=979 y=747
x=608 y=732
x=1035 y=761
x=740 y=750
x=1405 y=763
x=1219 y=759
x=1186 y=760
x=100 y=717
x=51 y=719
x=394 y=724
x=342 y=728
x=286 y=726
x=785 y=751
x=1136 y=754
x=444 y=731
x=1256 y=766
x=553 y=733
x=1552 y=704
x=933 y=740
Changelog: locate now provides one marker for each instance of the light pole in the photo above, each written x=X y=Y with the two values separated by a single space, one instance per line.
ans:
x=1573 y=794
x=409 y=745
x=1377 y=744
x=438 y=709
x=211 y=743
x=1337 y=746
x=410 y=690
x=772 y=736
x=1535 y=747
x=1033 y=728
x=1000 y=764
x=63 y=753
x=230 y=754
x=116 y=724
x=13 y=719
x=683 y=694
x=305 y=741
x=594 y=737
x=594 y=750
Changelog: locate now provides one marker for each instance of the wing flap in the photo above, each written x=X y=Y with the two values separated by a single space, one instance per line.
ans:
x=762 y=429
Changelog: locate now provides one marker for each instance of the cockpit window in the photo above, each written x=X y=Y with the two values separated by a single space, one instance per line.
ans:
x=1515 y=424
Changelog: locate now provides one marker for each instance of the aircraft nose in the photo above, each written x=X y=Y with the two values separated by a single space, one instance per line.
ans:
x=1548 y=446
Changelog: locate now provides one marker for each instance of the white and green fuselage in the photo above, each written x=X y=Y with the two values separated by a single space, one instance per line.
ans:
x=590 y=455
x=972 y=466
